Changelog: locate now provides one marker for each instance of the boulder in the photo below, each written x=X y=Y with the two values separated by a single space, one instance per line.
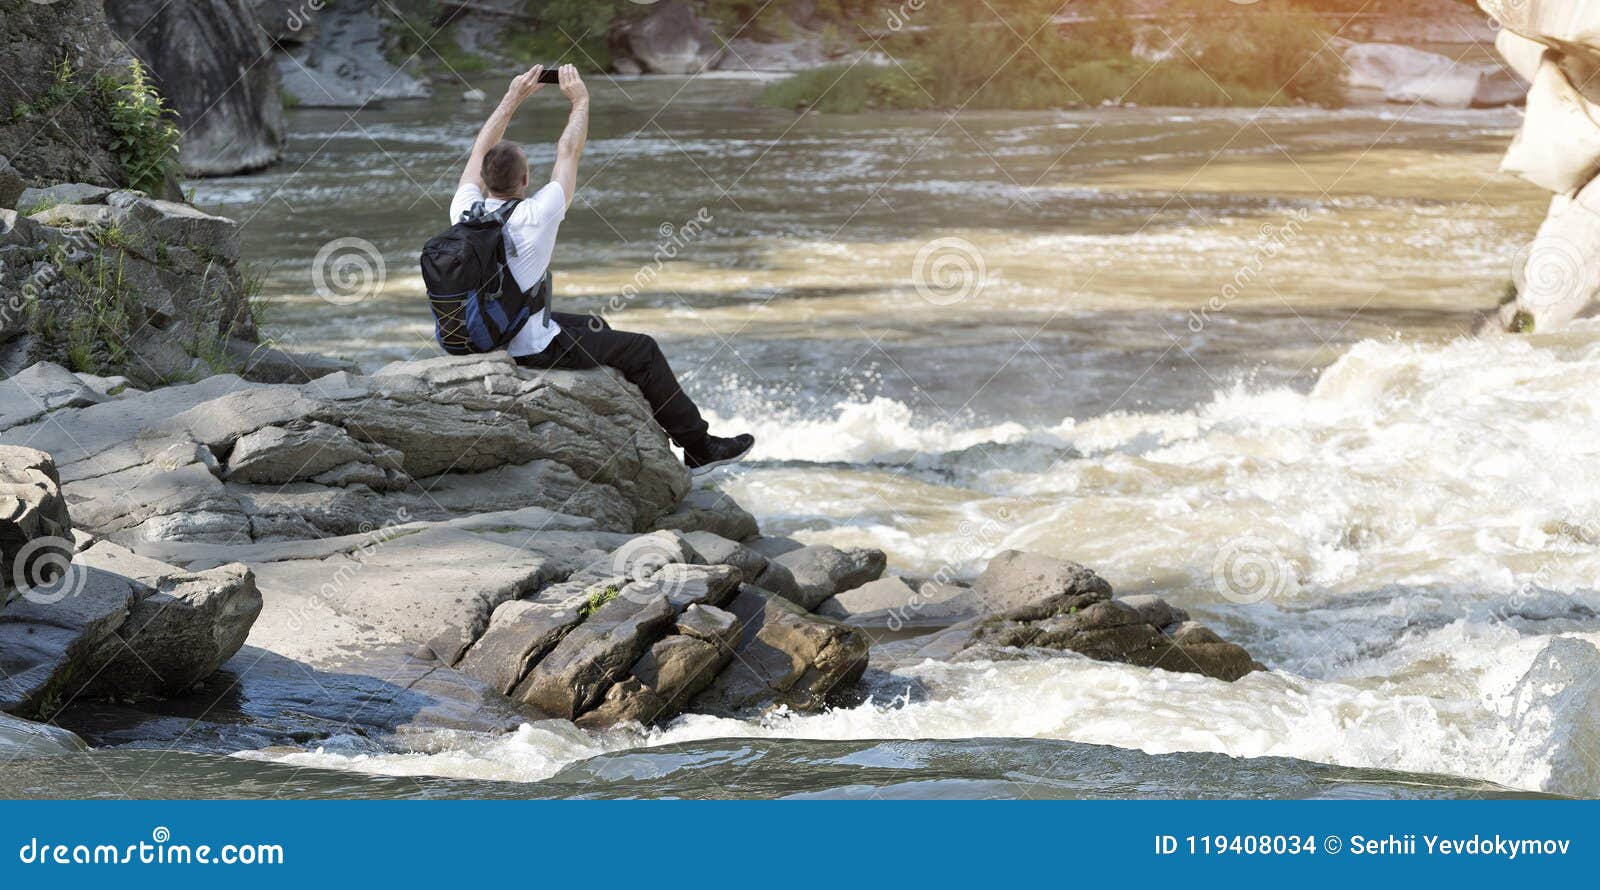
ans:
x=575 y=677
x=1409 y=76
x=24 y=738
x=772 y=546
x=12 y=185
x=709 y=510
x=1014 y=579
x=267 y=364
x=63 y=139
x=180 y=628
x=717 y=550
x=820 y=571
x=891 y=603
x=675 y=669
x=672 y=39
x=62 y=193
x=48 y=643
x=227 y=460
x=1041 y=603
x=520 y=633
x=340 y=62
x=36 y=543
x=784 y=656
x=211 y=62
x=150 y=288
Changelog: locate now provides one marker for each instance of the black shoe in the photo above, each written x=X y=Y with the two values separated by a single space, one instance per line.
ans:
x=716 y=451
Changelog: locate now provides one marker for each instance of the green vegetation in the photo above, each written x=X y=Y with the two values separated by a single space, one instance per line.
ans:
x=850 y=89
x=98 y=330
x=596 y=600
x=556 y=31
x=964 y=56
x=144 y=140
x=63 y=89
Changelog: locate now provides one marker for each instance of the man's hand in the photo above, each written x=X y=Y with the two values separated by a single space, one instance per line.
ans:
x=526 y=84
x=572 y=85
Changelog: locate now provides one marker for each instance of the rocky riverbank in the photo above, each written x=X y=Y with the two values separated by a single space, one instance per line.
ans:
x=453 y=543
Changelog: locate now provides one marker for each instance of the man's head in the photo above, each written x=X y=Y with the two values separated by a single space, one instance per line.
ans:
x=505 y=171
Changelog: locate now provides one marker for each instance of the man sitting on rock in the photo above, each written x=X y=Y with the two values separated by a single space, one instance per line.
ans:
x=497 y=173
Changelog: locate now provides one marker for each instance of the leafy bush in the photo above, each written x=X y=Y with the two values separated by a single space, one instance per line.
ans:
x=144 y=141
x=848 y=89
x=1014 y=55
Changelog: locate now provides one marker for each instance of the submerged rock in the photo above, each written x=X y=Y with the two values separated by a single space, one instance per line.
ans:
x=1035 y=602
x=24 y=738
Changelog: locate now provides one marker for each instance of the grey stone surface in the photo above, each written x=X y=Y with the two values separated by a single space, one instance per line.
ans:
x=784 y=656
x=230 y=461
x=672 y=39
x=520 y=633
x=212 y=64
x=35 y=528
x=1060 y=605
x=821 y=571
x=24 y=738
x=890 y=603
x=575 y=677
x=709 y=510
x=340 y=61
x=1014 y=579
x=179 y=630
x=717 y=550
x=155 y=283
x=12 y=185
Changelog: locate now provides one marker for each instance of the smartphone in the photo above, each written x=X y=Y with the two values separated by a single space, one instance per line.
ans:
x=550 y=75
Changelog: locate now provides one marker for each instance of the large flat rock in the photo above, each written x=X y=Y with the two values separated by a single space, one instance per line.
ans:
x=226 y=461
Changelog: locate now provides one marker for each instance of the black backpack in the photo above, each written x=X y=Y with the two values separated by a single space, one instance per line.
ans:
x=476 y=302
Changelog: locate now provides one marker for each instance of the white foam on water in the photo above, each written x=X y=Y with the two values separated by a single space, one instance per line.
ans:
x=1436 y=511
x=1485 y=719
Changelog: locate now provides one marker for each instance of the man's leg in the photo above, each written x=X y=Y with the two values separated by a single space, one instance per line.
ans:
x=586 y=342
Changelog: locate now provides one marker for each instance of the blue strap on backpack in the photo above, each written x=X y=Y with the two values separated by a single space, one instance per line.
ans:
x=476 y=302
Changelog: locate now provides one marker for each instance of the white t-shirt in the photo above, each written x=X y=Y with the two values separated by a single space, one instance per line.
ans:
x=532 y=230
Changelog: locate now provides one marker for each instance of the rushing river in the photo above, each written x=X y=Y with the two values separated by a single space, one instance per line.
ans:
x=1222 y=356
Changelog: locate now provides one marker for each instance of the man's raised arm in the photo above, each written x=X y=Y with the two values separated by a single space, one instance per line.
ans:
x=570 y=145
x=494 y=129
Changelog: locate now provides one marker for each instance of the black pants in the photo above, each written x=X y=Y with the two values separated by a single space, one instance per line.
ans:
x=587 y=341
